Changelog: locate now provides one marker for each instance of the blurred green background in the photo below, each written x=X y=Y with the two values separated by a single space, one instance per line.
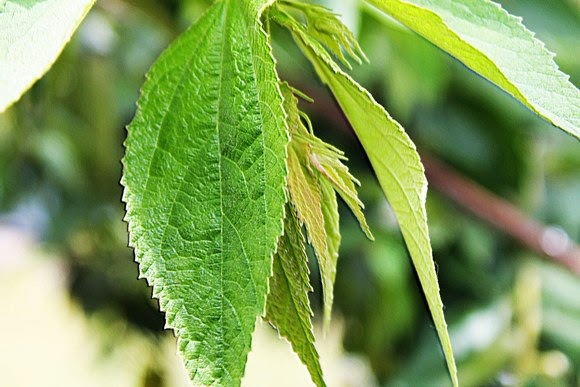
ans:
x=514 y=318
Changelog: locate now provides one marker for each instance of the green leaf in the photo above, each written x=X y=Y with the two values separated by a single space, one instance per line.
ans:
x=329 y=206
x=397 y=166
x=305 y=195
x=314 y=167
x=402 y=178
x=32 y=35
x=204 y=177
x=322 y=25
x=496 y=45
x=287 y=305
x=327 y=160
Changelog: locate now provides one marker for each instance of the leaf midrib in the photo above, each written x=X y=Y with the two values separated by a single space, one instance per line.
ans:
x=222 y=215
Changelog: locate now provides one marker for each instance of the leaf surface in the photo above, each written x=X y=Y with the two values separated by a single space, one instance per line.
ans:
x=287 y=305
x=397 y=166
x=32 y=35
x=329 y=206
x=497 y=46
x=204 y=177
x=305 y=195
x=401 y=176
x=326 y=159
x=315 y=170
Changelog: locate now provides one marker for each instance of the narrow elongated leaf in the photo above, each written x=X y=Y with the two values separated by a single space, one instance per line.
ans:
x=287 y=305
x=304 y=190
x=314 y=168
x=32 y=35
x=204 y=177
x=327 y=160
x=496 y=45
x=402 y=178
x=332 y=227
x=397 y=166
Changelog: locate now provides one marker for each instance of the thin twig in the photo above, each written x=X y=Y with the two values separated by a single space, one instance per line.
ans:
x=548 y=241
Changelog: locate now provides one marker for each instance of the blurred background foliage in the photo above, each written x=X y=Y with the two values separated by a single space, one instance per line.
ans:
x=514 y=318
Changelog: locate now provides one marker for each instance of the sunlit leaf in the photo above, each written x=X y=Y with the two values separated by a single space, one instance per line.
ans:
x=496 y=45
x=32 y=35
x=397 y=166
x=204 y=177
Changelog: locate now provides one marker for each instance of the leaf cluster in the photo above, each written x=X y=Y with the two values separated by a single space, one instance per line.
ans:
x=225 y=180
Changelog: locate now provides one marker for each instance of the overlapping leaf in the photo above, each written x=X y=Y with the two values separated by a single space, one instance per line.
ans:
x=204 y=177
x=287 y=306
x=396 y=164
x=32 y=35
x=321 y=26
x=496 y=45
x=304 y=190
x=326 y=159
x=314 y=166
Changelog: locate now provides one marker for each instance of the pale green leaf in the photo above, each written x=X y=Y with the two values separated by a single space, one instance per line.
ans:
x=323 y=157
x=32 y=35
x=397 y=166
x=327 y=160
x=204 y=177
x=304 y=187
x=324 y=26
x=401 y=176
x=314 y=169
x=287 y=305
x=332 y=227
x=496 y=45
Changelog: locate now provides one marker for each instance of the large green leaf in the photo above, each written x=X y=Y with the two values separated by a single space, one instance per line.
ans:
x=287 y=306
x=204 y=177
x=32 y=35
x=397 y=166
x=496 y=45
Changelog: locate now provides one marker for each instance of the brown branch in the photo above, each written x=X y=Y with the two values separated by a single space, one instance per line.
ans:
x=548 y=241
